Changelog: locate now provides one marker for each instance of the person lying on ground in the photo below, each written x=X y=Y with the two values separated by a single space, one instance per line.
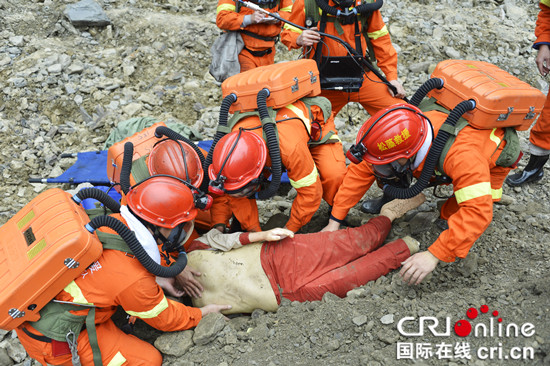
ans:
x=255 y=270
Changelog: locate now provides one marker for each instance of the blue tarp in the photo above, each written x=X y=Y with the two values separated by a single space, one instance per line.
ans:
x=90 y=167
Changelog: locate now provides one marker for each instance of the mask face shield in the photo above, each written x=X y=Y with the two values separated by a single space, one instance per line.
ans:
x=395 y=173
x=247 y=190
x=177 y=237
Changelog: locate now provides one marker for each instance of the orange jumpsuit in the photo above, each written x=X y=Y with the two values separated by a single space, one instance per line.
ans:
x=116 y=279
x=227 y=18
x=374 y=94
x=315 y=172
x=540 y=133
x=477 y=183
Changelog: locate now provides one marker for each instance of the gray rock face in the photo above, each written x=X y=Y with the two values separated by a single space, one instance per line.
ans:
x=14 y=350
x=209 y=328
x=87 y=13
x=5 y=358
x=176 y=343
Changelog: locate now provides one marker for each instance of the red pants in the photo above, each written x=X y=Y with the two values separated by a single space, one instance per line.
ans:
x=373 y=96
x=540 y=133
x=309 y=265
x=117 y=348
x=249 y=62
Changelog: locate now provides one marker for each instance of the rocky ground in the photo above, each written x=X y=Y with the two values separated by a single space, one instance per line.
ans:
x=64 y=87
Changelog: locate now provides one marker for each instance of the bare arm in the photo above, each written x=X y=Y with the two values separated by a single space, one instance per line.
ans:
x=225 y=242
x=543 y=59
x=270 y=235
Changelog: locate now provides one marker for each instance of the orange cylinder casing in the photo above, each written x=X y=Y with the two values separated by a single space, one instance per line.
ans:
x=143 y=141
x=286 y=81
x=502 y=100
x=43 y=248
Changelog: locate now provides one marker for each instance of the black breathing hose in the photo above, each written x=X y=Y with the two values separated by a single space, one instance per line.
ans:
x=165 y=131
x=429 y=85
x=268 y=126
x=361 y=9
x=137 y=249
x=222 y=121
x=99 y=195
x=126 y=167
x=433 y=155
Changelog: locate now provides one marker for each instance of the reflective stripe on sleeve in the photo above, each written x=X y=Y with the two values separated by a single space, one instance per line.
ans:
x=298 y=112
x=496 y=193
x=118 y=360
x=473 y=191
x=382 y=32
x=494 y=137
x=305 y=181
x=545 y=2
x=292 y=28
x=288 y=9
x=75 y=291
x=226 y=7
x=163 y=305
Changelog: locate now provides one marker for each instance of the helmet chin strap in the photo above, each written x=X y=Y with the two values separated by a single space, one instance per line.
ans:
x=175 y=240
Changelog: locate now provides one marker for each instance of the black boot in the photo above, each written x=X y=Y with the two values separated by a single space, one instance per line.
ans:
x=373 y=206
x=533 y=171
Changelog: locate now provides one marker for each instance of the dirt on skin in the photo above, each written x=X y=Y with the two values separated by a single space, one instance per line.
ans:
x=62 y=89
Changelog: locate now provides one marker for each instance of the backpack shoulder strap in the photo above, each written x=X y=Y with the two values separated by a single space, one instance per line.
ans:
x=326 y=107
x=139 y=169
x=109 y=241
x=238 y=116
x=113 y=241
x=364 y=19
x=450 y=141
x=431 y=104
x=312 y=11
x=321 y=102
x=512 y=150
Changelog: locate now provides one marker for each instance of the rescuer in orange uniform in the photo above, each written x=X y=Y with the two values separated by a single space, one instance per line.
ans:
x=117 y=278
x=396 y=147
x=259 y=33
x=180 y=159
x=373 y=94
x=240 y=161
x=539 y=139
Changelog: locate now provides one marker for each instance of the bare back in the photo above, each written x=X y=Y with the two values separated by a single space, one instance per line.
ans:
x=235 y=277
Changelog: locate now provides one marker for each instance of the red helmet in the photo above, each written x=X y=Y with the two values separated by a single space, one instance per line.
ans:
x=240 y=156
x=176 y=158
x=162 y=201
x=392 y=133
